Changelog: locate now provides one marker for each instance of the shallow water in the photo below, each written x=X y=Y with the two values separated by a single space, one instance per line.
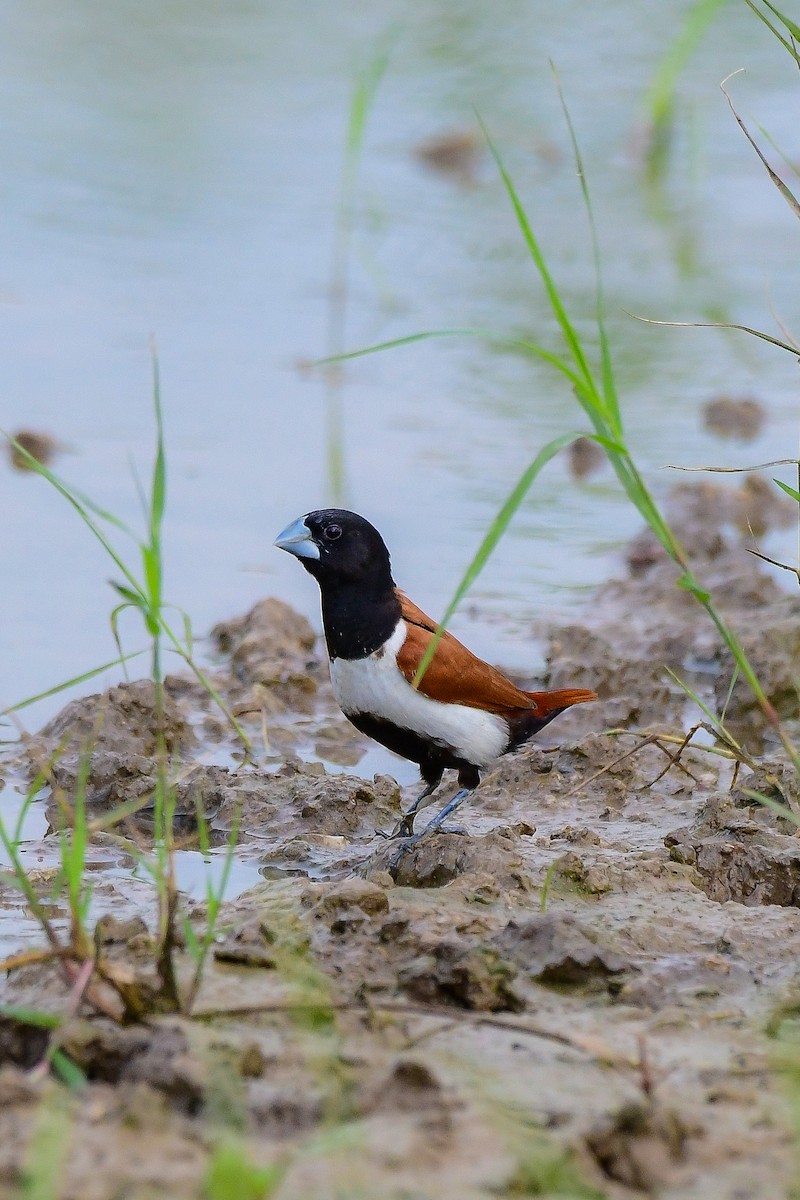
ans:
x=175 y=172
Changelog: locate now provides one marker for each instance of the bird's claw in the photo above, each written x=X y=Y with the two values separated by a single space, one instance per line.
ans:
x=400 y=853
x=403 y=829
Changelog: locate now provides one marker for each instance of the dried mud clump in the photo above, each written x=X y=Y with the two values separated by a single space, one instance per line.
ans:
x=737 y=857
x=438 y=860
x=301 y=800
x=739 y=417
x=119 y=731
x=270 y=649
x=467 y=976
x=557 y=949
x=774 y=652
x=640 y=1146
x=645 y=624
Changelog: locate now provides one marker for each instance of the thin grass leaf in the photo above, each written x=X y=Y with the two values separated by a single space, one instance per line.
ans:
x=790 y=491
x=610 y=394
x=661 y=93
x=72 y=497
x=30 y=1016
x=776 y=462
x=793 y=28
x=757 y=333
x=159 y=487
x=492 y=537
x=775 y=32
x=393 y=343
x=567 y=329
x=133 y=599
x=774 y=806
x=782 y=187
x=725 y=736
x=35 y=464
x=68 y=683
x=48 y=1149
x=68 y=1071
x=367 y=84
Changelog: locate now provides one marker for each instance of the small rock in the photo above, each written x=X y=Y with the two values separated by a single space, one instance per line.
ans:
x=468 y=976
x=555 y=949
x=349 y=893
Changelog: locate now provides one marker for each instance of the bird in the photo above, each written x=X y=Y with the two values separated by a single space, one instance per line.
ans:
x=462 y=714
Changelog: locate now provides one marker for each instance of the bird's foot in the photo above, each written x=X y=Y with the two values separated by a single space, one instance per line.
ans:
x=403 y=829
x=409 y=842
x=402 y=850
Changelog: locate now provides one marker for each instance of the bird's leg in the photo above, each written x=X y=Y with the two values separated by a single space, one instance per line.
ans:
x=433 y=827
x=447 y=811
x=405 y=826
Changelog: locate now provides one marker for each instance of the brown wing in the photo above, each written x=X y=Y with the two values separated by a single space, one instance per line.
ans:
x=457 y=676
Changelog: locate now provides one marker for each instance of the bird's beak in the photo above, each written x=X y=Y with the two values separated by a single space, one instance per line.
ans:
x=296 y=539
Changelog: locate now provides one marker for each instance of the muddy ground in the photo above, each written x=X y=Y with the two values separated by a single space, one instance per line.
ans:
x=590 y=994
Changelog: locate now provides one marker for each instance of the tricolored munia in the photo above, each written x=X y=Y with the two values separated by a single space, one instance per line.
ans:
x=461 y=715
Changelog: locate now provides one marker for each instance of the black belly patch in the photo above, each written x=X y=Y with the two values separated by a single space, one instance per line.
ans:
x=432 y=758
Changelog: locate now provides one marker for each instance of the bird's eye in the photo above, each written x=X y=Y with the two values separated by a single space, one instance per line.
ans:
x=332 y=532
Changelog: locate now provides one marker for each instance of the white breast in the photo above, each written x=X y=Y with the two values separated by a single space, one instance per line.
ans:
x=375 y=685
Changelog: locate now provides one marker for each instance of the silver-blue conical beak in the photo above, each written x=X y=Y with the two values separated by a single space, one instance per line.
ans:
x=296 y=539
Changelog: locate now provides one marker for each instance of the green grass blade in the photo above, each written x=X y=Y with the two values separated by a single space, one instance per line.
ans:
x=158 y=496
x=30 y=1016
x=774 y=805
x=67 y=1071
x=775 y=32
x=610 y=394
x=83 y=511
x=68 y=683
x=661 y=93
x=231 y=1176
x=492 y=537
x=34 y=464
x=725 y=736
x=48 y=1149
x=790 y=491
x=567 y=329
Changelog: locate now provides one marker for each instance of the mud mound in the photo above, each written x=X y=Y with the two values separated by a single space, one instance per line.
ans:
x=740 y=858
x=271 y=648
x=645 y=624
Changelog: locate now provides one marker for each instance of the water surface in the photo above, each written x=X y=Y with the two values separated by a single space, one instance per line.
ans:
x=173 y=170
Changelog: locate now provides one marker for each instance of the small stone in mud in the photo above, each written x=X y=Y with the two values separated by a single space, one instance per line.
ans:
x=109 y=929
x=119 y=731
x=468 y=976
x=455 y=153
x=737 y=858
x=40 y=446
x=439 y=859
x=245 y=954
x=271 y=646
x=585 y=458
x=739 y=417
x=640 y=1145
x=411 y=1084
x=331 y=899
x=555 y=949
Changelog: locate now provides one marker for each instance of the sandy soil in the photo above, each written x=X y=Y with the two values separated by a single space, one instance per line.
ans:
x=590 y=994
